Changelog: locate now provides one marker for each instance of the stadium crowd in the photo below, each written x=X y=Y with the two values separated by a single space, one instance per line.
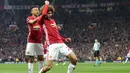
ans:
x=110 y=27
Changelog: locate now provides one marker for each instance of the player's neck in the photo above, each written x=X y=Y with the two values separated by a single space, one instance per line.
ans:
x=49 y=18
x=34 y=16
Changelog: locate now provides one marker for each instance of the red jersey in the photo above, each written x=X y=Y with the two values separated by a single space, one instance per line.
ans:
x=129 y=49
x=51 y=32
x=35 y=31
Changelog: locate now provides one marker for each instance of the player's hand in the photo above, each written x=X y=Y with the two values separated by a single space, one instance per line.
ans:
x=47 y=2
x=68 y=39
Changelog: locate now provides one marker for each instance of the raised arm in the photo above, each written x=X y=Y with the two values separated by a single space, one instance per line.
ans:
x=43 y=11
x=44 y=8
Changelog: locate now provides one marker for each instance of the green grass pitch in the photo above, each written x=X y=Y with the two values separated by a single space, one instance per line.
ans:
x=81 y=68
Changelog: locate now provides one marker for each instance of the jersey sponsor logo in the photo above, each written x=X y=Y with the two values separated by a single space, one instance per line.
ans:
x=36 y=27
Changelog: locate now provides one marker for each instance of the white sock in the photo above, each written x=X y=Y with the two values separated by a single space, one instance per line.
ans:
x=70 y=68
x=41 y=70
x=40 y=65
x=126 y=60
x=30 y=67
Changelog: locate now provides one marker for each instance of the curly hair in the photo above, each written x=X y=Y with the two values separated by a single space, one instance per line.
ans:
x=50 y=8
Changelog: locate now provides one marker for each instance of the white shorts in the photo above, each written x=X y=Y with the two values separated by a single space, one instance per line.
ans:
x=34 y=49
x=56 y=48
x=128 y=55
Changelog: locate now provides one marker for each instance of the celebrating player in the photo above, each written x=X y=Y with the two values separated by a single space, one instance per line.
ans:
x=55 y=42
x=34 y=45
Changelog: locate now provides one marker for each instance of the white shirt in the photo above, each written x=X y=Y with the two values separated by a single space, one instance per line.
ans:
x=96 y=46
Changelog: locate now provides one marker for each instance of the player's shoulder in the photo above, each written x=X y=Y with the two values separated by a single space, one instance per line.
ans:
x=29 y=17
x=53 y=20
